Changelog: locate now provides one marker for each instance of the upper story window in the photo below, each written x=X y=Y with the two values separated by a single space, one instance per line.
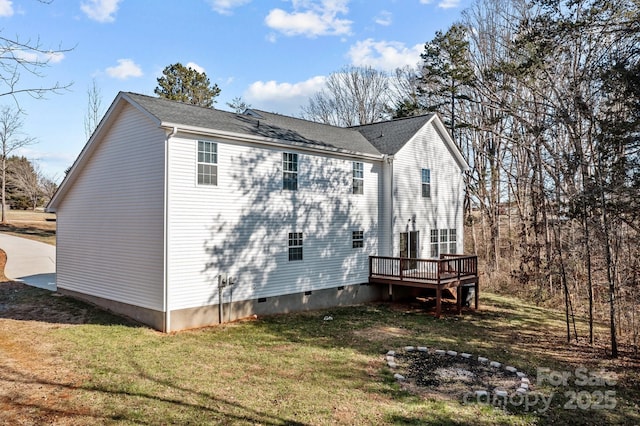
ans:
x=295 y=245
x=207 y=163
x=289 y=171
x=426 y=183
x=358 y=178
x=357 y=239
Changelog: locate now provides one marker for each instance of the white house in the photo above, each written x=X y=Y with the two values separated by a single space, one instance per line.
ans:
x=167 y=200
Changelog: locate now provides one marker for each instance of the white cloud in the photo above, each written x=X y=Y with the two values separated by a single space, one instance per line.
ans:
x=443 y=4
x=284 y=98
x=311 y=18
x=384 y=55
x=448 y=4
x=195 y=66
x=100 y=10
x=39 y=57
x=384 y=18
x=6 y=8
x=54 y=57
x=126 y=68
x=224 y=7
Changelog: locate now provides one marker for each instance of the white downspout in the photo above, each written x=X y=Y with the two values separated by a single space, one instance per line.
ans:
x=167 y=312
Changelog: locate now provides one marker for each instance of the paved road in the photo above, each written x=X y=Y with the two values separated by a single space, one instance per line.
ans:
x=31 y=262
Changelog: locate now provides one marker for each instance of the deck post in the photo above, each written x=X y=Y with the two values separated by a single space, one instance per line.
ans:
x=459 y=298
x=438 y=300
x=477 y=290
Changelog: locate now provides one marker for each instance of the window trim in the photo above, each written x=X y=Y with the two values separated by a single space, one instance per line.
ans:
x=434 y=243
x=357 y=239
x=201 y=157
x=453 y=241
x=425 y=179
x=446 y=238
x=357 y=178
x=290 y=161
x=295 y=244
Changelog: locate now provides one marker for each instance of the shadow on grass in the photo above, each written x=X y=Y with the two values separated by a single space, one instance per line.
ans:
x=503 y=330
x=25 y=303
x=28 y=230
x=216 y=409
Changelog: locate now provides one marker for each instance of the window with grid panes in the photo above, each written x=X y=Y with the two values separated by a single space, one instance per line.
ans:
x=295 y=246
x=434 y=243
x=426 y=183
x=357 y=239
x=207 y=163
x=290 y=171
x=358 y=178
x=444 y=241
x=453 y=246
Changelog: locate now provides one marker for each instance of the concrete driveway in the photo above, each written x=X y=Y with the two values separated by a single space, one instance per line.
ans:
x=28 y=261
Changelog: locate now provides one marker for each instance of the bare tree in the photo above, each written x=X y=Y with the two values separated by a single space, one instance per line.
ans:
x=352 y=96
x=94 y=109
x=11 y=139
x=19 y=56
x=48 y=187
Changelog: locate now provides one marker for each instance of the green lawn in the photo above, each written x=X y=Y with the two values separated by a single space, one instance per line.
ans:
x=291 y=369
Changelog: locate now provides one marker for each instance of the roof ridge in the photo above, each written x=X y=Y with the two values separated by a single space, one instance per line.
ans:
x=393 y=120
x=301 y=119
x=172 y=101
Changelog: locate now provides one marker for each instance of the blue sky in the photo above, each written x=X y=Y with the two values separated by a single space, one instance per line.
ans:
x=273 y=54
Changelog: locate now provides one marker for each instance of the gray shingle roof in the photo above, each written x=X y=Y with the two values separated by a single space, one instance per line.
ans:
x=390 y=136
x=261 y=124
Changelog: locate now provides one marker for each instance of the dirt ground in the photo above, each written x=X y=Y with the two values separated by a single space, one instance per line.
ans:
x=36 y=385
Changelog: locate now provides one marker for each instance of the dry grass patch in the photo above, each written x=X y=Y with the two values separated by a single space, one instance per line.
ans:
x=34 y=225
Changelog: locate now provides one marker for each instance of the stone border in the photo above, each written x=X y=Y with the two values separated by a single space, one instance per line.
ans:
x=524 y=380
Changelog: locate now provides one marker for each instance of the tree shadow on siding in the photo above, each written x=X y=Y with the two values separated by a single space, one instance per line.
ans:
x=249 y=240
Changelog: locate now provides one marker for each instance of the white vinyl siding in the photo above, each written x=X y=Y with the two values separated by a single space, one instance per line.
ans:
x=110 y=223
x=443 y=209
x=242 y=228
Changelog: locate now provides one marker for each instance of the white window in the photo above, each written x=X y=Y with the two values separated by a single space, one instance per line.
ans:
x=358 y=178
x=434 y=243
x=289 y=171
x=426 y=183
x=443 y=241
x=357 y=239
x=453 y=240
x=207 y=163
x=295 y=246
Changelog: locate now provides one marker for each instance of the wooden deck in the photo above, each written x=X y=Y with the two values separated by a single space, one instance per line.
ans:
x=449 y=272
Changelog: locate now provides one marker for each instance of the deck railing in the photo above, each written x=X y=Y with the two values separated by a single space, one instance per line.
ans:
x=449 y=266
